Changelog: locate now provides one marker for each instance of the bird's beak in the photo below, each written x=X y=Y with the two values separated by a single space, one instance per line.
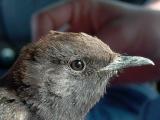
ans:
x=121 y=62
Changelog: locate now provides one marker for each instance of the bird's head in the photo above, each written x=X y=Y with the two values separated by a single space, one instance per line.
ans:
x=71 y=66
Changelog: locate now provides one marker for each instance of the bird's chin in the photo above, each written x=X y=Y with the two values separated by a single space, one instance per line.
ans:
x=113 y=74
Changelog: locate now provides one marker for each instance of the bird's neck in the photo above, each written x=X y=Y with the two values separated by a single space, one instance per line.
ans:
x=59 y=108
x=54 y=107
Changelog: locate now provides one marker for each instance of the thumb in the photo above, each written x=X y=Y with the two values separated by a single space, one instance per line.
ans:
x=51 y=18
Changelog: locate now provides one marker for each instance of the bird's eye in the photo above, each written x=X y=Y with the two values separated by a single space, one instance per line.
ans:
x=77 y=65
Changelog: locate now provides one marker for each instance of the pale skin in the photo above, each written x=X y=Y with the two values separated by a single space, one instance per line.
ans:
x=126 y=28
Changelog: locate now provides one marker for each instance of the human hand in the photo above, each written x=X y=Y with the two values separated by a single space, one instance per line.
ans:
x=124 y=27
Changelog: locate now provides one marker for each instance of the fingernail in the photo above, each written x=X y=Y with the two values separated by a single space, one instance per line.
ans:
x=47 y=25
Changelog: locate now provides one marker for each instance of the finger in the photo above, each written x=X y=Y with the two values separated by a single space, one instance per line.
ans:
x=40 y=26
x=51 y=18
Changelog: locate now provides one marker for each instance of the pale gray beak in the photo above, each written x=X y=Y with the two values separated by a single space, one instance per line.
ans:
x=127 y=61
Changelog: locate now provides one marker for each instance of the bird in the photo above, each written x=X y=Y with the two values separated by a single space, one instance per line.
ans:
x=60 y=77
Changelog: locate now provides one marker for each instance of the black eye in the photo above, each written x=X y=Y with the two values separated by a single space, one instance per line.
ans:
x=77 y=65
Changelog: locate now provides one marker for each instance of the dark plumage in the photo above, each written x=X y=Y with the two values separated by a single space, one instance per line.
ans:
x=60 y=77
